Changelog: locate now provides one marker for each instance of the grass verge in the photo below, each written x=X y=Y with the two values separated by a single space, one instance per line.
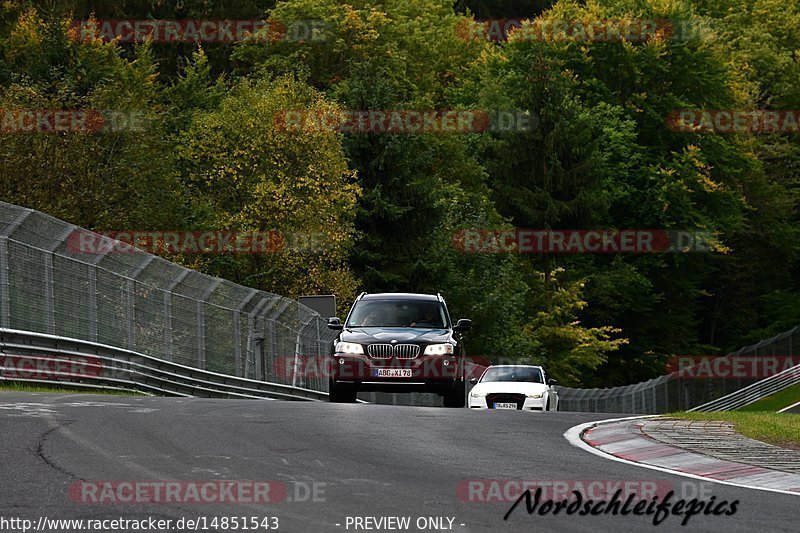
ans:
x=781 y=429
x=16 y=386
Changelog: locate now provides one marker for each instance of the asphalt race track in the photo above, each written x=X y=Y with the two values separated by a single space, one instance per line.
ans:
x=364 y=461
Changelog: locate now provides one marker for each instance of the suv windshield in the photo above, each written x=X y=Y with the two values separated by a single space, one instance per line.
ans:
x=398 y=314
x=529 y=375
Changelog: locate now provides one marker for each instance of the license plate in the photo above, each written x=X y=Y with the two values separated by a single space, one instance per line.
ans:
x=393 y=373
x=505 y=406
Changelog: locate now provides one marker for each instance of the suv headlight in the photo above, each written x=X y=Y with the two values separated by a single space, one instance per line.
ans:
x=439 y=349
x=477 y=395
x=534 y=396
x=349 y=348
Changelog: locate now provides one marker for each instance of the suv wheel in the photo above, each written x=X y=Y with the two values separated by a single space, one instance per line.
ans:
x=456 y=396
x=341 y=393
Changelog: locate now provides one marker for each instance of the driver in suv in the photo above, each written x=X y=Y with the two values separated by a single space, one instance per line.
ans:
x=398 y=342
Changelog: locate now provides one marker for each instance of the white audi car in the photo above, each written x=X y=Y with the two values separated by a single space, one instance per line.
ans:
x=521 y=387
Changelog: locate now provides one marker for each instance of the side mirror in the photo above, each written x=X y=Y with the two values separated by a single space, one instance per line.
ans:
x=335 y=324
x=552 y=382
x=464 y=324
x=474 y=381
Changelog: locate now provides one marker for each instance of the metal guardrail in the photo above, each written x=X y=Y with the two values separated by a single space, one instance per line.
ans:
x=674 y=392
x=40 y=358
x=120 y=296
x=754 y=392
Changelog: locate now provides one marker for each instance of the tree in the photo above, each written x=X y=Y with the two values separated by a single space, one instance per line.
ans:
x=418 y=188
x=245 y=174
x=102 y=177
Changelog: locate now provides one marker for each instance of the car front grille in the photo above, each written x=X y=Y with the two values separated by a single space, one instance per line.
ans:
x=387 y=351
x=492 y=399
x=381 y=351
x=406 y=351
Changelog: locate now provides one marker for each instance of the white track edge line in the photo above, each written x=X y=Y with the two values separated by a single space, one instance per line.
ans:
x=573 y=435
x=790 y=407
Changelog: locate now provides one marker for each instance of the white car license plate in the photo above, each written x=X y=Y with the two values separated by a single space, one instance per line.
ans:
x=505 y=406
x=393 y=373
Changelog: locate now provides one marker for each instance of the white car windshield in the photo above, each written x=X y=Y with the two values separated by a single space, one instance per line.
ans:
x=520 y=374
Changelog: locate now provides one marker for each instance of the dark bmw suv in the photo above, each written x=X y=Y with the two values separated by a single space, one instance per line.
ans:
x=398 y=343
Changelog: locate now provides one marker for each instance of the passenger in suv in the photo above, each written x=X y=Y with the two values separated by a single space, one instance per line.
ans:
x=398 y=342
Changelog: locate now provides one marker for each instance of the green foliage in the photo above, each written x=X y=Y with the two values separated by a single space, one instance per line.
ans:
x=567 y=348
x=104 y=180
x=418 y=188
x=249 y=176
x=385 y=208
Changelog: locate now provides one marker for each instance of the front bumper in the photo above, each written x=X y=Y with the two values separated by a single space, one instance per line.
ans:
x=425 y=369
x=530 y=404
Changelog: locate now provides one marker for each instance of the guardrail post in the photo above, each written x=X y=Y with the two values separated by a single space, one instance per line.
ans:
x=5 y=287
x=94 y=324
x=49 y=296
x=666 y=396
x=91 y=272
x=251 y=348
x=49 y=276
x=320 y=357
x=5 y=266
x=130 y=318
x=237 y=332
x=201 y=323
x=167 y=325
x=255 y=330
x=655 y=400
x=237 y=343
x=201 y=336
x=268 y=332
x=297 y=349
x=686 y=398
x=168 y=313
x=131 y=294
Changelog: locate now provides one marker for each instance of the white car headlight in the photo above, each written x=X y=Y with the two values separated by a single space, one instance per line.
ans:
x=477 y=395
x=349 y=348
x=534 y=396
x=439 y=349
